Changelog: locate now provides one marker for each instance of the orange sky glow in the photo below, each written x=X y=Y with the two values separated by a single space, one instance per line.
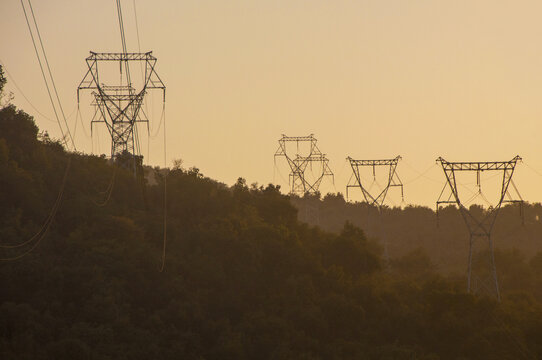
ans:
x=371 y=79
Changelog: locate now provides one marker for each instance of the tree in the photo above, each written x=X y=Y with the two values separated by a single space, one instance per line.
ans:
x=3 y=79
x=5 y=99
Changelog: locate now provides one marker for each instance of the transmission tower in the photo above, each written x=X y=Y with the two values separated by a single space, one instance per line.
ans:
x=356 y=180
x=376 y=199
x=310 y=158
x=119 y=104
x=482 y=273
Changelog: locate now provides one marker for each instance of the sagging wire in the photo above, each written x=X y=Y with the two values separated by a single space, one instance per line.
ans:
x=420 y=174
x=533 y=169
x=38 y=237
x=166 y=171
x=69 y=135
x=109 y=190
x=79 y=116
x=12 y=80
x=138 y=42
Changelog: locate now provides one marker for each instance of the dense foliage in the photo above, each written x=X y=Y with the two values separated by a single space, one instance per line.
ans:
x=243 y=279
x=517 y=235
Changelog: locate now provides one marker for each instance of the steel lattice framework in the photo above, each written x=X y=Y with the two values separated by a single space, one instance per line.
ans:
x=357 y=181
x=299 y=184
x=119 y=105
x=481 y=273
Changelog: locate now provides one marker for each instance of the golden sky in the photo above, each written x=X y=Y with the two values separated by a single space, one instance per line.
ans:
x=371 y=79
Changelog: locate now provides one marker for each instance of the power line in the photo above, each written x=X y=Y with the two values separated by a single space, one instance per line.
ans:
x=43 y=73
x=46 y=225
x=79 y=117
x=152 y=136
x=165 y=192
x=123 y=40
x=12 y=80
x=50 y=73
x=109 y=190
x=121 y=26
x=420 y=174
x=533 y=169
x=138 y=42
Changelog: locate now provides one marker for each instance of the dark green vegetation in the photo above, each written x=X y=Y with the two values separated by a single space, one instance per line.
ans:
x=517 y=233
x=244 y=279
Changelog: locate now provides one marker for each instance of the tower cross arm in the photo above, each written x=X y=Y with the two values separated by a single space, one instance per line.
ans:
x=297 y=138
x=110 y=56
x=312 y=158
x=382 y=162
x=478 y=166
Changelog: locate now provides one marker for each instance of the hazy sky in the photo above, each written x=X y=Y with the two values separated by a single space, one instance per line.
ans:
x=371 y=79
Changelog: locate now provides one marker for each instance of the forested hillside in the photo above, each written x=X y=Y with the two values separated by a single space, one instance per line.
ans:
x=243 y=278
x=444 y=238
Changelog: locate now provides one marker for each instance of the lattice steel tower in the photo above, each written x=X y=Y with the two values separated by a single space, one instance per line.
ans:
x=356 y=180
x=312 y=157
x=482 y=272
x=119 y=104
x=376 y=199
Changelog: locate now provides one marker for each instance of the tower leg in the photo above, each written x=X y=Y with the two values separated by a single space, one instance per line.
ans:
x=482 y=272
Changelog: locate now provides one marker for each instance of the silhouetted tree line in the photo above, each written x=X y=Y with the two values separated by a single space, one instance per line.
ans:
x=244 y=279
x=443 y=240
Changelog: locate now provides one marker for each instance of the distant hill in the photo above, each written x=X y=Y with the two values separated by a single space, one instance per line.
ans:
x=445 y=239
